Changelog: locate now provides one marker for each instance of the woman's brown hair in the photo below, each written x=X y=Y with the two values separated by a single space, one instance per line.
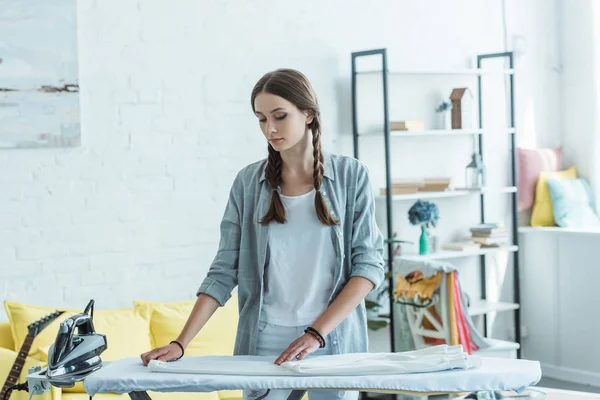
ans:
x=293 y=86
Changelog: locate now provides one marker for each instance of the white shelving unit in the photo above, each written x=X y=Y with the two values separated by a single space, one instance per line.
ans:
x=499 y=348
x=450 y=254
x=480 y=307
x=438 y=132
x=466 y=71
x=449 y=193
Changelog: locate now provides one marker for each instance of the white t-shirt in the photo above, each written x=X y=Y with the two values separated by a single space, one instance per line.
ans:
x=299 y=278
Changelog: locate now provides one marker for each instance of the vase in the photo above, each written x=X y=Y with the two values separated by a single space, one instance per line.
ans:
x=445 y=120
x=424 y=241
x=433 y=240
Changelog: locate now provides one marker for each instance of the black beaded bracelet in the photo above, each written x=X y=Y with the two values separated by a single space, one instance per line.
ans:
x=181 y=346
x=312 y=331
x=314 y=335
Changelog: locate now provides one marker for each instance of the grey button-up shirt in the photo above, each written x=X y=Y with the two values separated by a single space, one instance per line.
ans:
x=242 y=257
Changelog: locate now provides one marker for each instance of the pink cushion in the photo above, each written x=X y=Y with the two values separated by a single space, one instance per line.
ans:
x=531 y=163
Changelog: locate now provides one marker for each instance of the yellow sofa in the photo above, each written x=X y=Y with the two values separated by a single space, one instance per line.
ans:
x=129 y=332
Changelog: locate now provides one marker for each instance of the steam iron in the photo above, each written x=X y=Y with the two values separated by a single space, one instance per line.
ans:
x=73 y=356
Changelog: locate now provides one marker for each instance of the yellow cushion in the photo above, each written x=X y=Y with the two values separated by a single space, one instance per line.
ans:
x=127 y=332
x=7 y=359
x=6 y=339
x=217 y=337
x=542 y=214
x=145 y=308
x=235 y=395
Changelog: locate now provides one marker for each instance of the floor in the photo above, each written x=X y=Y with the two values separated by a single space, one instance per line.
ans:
x=553 y=389
x=556 y=384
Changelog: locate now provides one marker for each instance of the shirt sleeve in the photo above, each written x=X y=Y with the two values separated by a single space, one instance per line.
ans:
x=222 y=276
x=367 y=240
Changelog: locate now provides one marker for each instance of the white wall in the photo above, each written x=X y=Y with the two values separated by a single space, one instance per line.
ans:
x=533 y=35
x=166 y=121
x=579 y=29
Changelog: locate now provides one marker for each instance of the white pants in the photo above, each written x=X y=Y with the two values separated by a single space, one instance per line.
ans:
x=272 y=341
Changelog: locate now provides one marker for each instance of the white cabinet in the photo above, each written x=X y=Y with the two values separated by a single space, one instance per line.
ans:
x=560 y=310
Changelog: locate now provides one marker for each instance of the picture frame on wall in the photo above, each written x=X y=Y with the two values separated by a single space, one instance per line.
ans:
x=39 y=82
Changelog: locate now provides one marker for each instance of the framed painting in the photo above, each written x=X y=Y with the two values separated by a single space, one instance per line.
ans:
x=39 y=85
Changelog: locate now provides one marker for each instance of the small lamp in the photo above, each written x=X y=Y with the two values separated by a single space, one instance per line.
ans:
x=474 y=172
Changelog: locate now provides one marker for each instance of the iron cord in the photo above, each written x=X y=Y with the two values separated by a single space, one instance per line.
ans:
x=20 y=386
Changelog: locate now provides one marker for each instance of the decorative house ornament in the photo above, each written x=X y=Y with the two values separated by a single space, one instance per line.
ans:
x=462 y=108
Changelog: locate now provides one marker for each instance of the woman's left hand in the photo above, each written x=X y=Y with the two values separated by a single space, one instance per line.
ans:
x=299 y=348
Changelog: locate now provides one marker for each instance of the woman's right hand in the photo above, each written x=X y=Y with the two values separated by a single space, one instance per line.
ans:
x=166 y=353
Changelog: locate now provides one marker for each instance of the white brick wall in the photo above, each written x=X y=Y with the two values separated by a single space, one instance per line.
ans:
x=166 y=123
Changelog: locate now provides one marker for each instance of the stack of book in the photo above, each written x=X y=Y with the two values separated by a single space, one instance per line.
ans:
x=436 y=184
x=414 y=185
x=404 y=186
x=489 y=235
x=411 y=125
x=465 y=245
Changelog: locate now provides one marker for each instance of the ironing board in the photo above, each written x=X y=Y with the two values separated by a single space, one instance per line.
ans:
x=132 y=377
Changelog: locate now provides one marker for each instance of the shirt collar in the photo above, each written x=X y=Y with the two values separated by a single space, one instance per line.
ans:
x=327 y=167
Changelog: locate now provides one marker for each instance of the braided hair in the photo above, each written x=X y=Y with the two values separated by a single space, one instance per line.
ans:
x=293 y=86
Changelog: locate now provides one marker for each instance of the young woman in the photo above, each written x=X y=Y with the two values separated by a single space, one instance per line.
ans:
x=298 y=238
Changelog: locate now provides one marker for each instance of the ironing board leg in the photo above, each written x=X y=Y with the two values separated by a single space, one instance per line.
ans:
x=296 y=394
x=139 y=396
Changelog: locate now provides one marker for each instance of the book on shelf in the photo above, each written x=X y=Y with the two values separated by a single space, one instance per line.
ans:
x=489 y=235
x=410 y=125
x=400 y=190
x=488 y=229
x=408 y=182
x=436 y=184
x=471 y=189
x=434 y=188
x=441 y=180
x=404 y=186
x=414 y=185
x=490 y=241
x=464 y=245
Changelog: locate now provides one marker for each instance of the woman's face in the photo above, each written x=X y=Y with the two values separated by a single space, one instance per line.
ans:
x=282 y=123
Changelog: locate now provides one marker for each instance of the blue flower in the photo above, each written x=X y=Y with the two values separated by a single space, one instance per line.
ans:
x=423 y=213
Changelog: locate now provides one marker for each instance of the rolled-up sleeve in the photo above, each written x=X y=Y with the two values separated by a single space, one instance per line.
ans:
x=222 y=276
x=367 y=240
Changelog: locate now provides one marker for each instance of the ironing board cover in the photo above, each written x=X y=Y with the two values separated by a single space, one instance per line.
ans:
x=129 y=374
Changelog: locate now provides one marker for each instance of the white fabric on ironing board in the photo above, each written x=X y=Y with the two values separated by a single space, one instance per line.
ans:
x=129 y=374
x=436 y=358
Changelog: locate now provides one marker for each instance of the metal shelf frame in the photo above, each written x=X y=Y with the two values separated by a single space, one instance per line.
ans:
x=389 y=197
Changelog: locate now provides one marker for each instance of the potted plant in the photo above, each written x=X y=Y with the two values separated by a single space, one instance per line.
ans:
x=425 y=214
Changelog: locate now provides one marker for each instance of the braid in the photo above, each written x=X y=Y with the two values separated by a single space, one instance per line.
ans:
x=273 y=170
x=320 y=204
x=273 y=174
x=318 y=160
